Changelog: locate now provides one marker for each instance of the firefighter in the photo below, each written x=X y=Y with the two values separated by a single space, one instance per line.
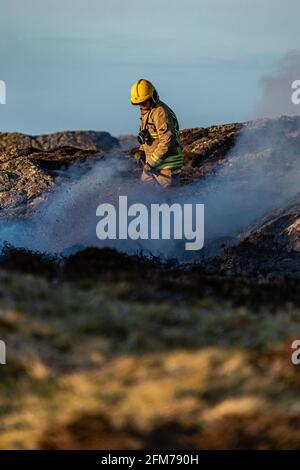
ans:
x=158 y=138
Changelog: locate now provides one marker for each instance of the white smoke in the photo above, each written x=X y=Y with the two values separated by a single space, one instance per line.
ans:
x=67 y=221
x=277 y=90
x=67 y=217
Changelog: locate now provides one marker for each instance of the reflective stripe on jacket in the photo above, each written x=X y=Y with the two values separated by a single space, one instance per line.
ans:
x=164 y=149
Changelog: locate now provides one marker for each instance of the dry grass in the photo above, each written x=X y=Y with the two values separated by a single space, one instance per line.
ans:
x=88 y=367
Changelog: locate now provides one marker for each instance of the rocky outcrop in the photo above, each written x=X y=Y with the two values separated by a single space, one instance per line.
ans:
x=277 y=141
x=205 y=148
x=270 y=248
x=85 y=140
x=28 y=163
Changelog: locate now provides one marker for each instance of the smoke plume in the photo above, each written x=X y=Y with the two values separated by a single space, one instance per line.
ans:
x=277 y=89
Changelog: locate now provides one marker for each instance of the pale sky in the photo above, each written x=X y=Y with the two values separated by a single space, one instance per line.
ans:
x=69 y=64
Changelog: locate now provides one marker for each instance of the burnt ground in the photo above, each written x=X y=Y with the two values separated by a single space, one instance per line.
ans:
x=175 y=284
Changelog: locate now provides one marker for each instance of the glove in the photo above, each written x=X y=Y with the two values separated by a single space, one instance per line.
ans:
x=149 y=168
x=138 y=155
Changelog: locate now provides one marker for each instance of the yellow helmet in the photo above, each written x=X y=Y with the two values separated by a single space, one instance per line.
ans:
x=141 y=91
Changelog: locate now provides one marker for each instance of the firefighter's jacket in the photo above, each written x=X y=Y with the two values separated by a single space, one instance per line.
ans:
x=163 y=150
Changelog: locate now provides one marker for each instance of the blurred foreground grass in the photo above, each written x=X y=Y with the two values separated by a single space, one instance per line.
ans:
x=89 y=366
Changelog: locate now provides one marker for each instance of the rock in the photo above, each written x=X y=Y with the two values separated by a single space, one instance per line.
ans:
x=128 y=141
x=84 y=140
x=27 y=162
x=271 y=247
